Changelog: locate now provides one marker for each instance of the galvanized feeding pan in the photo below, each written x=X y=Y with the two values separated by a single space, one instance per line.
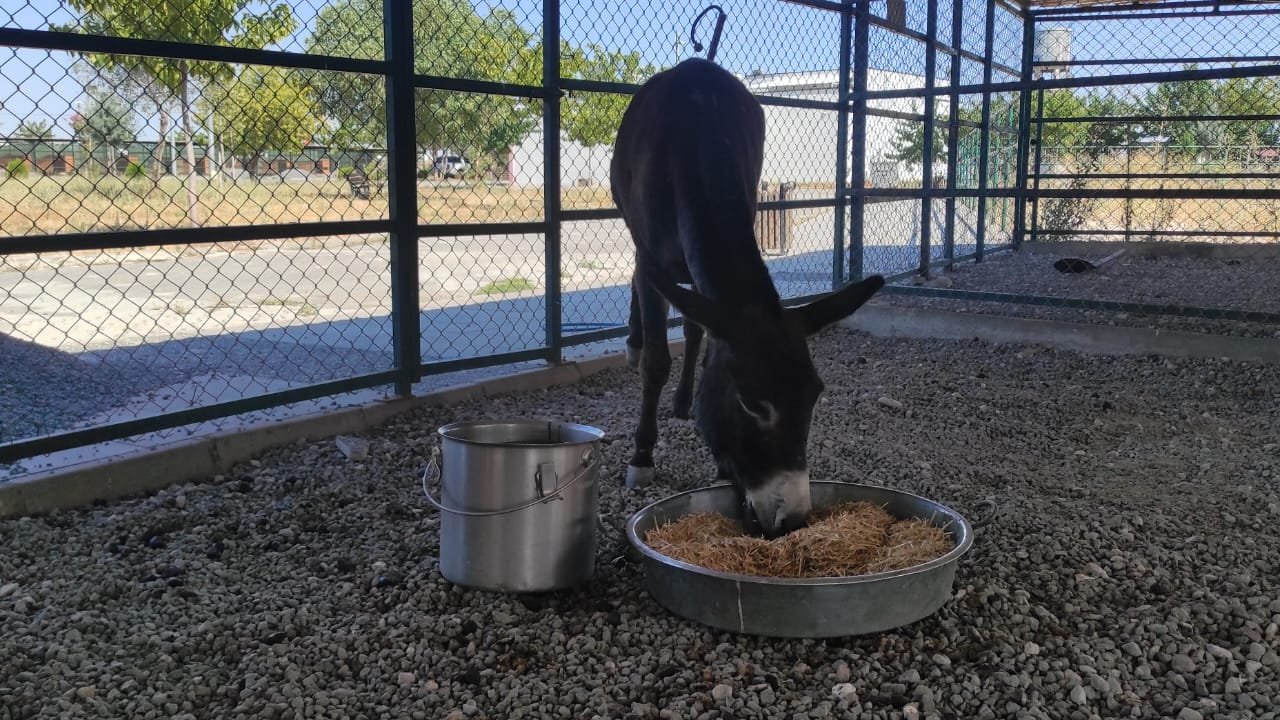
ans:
x=800 y=607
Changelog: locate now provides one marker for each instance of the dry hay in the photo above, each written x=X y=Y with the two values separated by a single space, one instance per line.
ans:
x=847 y=539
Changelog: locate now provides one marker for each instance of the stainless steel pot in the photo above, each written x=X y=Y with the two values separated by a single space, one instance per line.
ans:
x=518 y=503
x=800 y=607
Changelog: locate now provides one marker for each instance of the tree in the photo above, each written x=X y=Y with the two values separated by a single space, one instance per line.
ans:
x=1111 y=134
x=1062 y=137
x=490 y=47
x=450 y=39
x=263 y=110
x=908 y=141
x=104 y=120
x=1250 y=96
x=200 y=22
x=1181 y=103
x=592 y=119
x=34 y=130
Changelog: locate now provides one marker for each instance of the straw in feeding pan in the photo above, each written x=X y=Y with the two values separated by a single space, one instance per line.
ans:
x=843 y=540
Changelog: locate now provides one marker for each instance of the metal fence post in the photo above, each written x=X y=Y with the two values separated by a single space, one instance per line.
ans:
x=858 y=104
x=1024 y=131
x=551 y=175
x=926 y=172
x=402 y=193
x=953 y=135
x=842 y=145
x=1034 y=173
x=984 y=147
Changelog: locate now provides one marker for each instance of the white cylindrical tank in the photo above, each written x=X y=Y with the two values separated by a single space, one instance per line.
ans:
x=1053 y=46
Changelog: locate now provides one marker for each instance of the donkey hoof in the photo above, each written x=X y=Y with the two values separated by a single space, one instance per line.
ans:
x=633 y=357
x=639 y=477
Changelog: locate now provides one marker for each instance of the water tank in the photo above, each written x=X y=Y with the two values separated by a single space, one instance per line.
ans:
x=1053 y=46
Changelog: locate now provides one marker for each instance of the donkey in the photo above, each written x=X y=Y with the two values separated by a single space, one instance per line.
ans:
x=685 y=173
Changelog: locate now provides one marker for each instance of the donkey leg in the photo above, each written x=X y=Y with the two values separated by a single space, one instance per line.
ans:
x=683 y=401
x=655 y=370
x=635 y=329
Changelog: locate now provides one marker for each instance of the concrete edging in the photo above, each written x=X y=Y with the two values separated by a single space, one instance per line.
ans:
x=192 y=460
x=889 y=321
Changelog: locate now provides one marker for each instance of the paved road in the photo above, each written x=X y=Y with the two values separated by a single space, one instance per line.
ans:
x=171 y=332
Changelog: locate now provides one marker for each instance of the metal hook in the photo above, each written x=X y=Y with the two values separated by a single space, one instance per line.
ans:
x=715 y=34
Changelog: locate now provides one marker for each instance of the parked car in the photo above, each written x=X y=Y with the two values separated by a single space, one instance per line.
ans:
x=451 y=166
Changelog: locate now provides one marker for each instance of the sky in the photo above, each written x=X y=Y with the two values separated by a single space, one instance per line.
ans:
x=768 y=35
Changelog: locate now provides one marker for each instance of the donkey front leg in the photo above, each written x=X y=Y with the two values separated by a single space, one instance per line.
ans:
x=683 y=401
x=655 y=370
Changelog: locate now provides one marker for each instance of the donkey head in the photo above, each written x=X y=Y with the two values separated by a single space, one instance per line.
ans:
x=757 y=396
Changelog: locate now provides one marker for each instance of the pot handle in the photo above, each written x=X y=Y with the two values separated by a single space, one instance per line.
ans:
x=588 y=462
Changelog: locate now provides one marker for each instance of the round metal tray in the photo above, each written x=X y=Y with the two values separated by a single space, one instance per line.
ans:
x=800 y=607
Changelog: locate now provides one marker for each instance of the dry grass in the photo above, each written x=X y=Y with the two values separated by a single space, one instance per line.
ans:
x=844 y=540
x=1145 y=214
x=49 y=205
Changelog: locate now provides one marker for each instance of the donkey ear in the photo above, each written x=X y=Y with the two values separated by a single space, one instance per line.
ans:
x=835 y=307
x=695 y=306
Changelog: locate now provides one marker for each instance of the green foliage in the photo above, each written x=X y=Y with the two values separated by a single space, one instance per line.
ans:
x=1250 y=96
x=493 y=46
x=201 y=22
x=1181 y=101
x=505 y=285
x=17 y=168
x=345 y=171
x=1111 y=134
x=592 y=119
x=263 y=110
x=34 y=130
x=908 y=141
x=134 y=170
x=1063 y=103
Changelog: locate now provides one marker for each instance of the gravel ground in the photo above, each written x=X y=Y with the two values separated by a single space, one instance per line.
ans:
x=1128 y=568
x=1251 y=284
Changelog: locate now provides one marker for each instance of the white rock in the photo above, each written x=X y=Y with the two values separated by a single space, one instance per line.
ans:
x=1031 y=649
x=890 y=402
x=910 y=712
x=405 y=679
x=1233 y=686
x=353 y=448
x=1078 y=695
x=722 y=692
x=846 y=692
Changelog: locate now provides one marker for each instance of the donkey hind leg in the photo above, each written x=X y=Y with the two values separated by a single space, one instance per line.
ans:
x=635 y=328
x=655 y=370
x=683 y=401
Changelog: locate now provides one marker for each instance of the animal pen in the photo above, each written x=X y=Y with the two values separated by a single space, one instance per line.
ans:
x=959 y=148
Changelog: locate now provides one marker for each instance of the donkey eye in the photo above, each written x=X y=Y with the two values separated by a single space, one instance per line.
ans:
x=764 y=413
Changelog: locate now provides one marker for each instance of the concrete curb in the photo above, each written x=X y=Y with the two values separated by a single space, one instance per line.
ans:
x=887 y=321
x=199 y=459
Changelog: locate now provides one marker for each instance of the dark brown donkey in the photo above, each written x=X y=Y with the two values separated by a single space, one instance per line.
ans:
x=685 y=173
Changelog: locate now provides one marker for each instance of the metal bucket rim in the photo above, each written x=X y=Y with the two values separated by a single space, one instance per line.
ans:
x=965 y=531
x=594 y=434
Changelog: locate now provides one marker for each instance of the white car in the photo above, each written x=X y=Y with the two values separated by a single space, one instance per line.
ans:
x=451 y=166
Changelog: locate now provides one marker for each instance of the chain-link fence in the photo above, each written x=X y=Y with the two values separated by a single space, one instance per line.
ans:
x=220 y=207
x=1149 y=196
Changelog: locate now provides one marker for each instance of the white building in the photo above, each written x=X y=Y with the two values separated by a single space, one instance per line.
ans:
x=800 y=144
